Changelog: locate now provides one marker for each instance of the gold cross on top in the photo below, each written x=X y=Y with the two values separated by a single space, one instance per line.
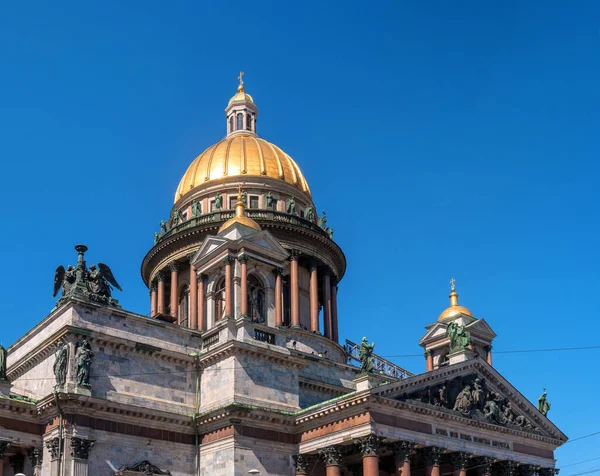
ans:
x=240 y=191
x=240 y=77
x=452 y=281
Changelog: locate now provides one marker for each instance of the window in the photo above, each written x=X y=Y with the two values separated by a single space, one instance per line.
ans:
x=256 y=300
x=253 y=201
x=184 y=303
x=249 y=118
x=240 y=121
x=232 y=202
x=220 y=300
x=230 y=123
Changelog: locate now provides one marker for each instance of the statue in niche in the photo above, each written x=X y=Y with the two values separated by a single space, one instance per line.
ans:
x=477 y=394
x=83 y=356
x=460 y=339
x=290 y=206
x=365 y=356
x=268 y=201
x=100 y=280
x=218 y=202
x=309 y=214
x=175 y=218
x=464 y=401
x=2 y=363
x=491 y=410
x=322 y=221
x=61 y=359
x=196 y=208
x=543 y=404
x=64 y=279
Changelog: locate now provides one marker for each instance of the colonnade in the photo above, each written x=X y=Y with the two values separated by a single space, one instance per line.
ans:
x=198 y=294
x=428 y=460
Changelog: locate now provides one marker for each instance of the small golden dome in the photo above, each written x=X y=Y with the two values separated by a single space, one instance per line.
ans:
x=242 y=156
x=241 y=96
x=454 y=310
x=240 y=217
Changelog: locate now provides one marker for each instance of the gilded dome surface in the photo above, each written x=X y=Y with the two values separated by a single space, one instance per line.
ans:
x=454 y=311
x=244 y=156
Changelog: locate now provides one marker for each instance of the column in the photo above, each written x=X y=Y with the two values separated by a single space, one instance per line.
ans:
x=228 y=287
x=327 y=305
x=332 y=457
x=428 y=361
x=314 y=298
x=433 y=456
x=201 y=302
x=278 y=298
x=369 y=447
x=17 y=462
x=160 y=306
x=303 y=465
x=4 y=445
x=53 y=446
x=334 y=313
x=80 y=451
x=294 y=289
x=35 y=457
x=243 y=285
x=403 y=451
x=460 y=461
x=153 y=298
x=489 y=354
x=193 y=321
x=174 y=290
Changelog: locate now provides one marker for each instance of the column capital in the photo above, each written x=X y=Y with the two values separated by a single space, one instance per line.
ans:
x=530 y=470
x=17 y=462
x=174 y=266
x=278 y=271
x=489 y=347
x=427 y=353
x=294 y=255
x=549 y=471
x=509 y=468
x=153 y=285
x=332 y=456
x=190 y=256
x=313 y=264
x=161 y=276
x=53 y=446
x=403 y=450
x=483 y=464
x=227 y=260
x=35 y=455
x=460 y=460
x=4 y=445
x=81 y=447
x=302 y=463
x=243 y=259
x=201 y=277
x=369 y=445
x=433 y=455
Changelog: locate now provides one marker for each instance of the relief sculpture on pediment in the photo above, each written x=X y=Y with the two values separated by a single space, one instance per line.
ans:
x=472 y=397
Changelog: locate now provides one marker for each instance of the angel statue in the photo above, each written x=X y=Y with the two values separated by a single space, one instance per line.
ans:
x=100 y=280
x=366 y=356
x=65 y=279
x=459 y=337
x=543 y=404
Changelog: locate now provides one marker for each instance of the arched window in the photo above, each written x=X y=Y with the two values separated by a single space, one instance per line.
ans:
x=249 y=119
x=220 y=300
x=184 y=306
x=231 y=124
x=256 y=300
x=240 y=121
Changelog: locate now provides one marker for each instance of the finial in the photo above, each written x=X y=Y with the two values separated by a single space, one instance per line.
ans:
x=241 y=79
x=452 y=286
x=240 y=206
x=453 y=294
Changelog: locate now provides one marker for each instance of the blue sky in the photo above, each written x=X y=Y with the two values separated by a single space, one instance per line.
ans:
x=442 y=138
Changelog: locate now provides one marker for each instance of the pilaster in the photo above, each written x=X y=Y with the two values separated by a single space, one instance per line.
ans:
x=80 y=452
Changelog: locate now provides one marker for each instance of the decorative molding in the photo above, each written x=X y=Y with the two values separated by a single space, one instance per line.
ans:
x=331 y=455
x=81 y=447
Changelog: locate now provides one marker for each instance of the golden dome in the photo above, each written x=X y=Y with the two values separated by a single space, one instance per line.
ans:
x=454 y=310
x=240 y=217
x=242 y=155
x=241 y=96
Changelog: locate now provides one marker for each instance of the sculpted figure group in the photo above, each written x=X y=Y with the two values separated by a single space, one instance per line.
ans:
x=83 y=363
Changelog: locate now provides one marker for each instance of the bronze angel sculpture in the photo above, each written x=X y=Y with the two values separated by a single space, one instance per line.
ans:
x=100 y=279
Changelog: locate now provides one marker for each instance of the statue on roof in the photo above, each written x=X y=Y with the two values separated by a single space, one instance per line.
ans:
x=2 y=363
x=322 y=221
x=218 y=201
x=309 y=214
x=65 y=279
x=329 y=232
x=164 y=227
x=175 y=218
x=290 y=206
x=100 y=280
x=460 y=338
x=365 y=356
x=543 y=404
x=269 y=201
x=196 y=208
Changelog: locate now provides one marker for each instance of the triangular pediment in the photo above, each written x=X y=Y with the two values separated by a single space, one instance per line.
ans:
x=267 y=241
x=210 y=245
x=482 y=328
x=476 y=391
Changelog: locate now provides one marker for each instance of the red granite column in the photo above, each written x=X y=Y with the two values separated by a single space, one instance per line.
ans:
x=160 y=305
x=433 y=455
x=153 y=298
x=460 y=460
x=314 y=298
x=228 y=287
x=201 y=303
x=327 y=305
x=428 y=361
x=332 y=457
x=334 y=312
x=243 y=285
x=489 y=354
x=193 y=322
x=174 y=290
x=278 y=299
x=369 y=446
x=294 y=289
x=403 y=451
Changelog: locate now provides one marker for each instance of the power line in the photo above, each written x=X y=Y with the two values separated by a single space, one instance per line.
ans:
x=556 y=349
x=578 y=462
x=582 y=437
x=593 y=470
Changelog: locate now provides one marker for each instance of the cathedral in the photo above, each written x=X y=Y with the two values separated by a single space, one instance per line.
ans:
x=238 y=367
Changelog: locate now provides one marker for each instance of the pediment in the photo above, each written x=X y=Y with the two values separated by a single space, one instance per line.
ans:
x=482 y=328
x=209 y=245
x=473 y=390
x=267 y=242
